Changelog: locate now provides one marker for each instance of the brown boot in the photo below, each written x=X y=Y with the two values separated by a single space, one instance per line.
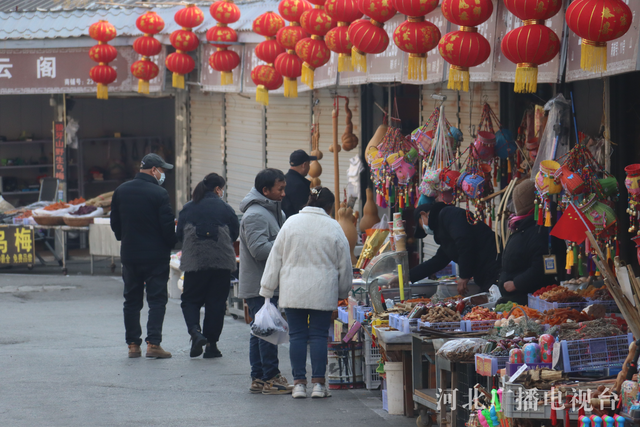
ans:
x=156 y=352
x=134 y=351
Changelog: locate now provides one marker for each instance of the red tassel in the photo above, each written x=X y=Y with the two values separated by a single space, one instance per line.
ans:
x=540 y=215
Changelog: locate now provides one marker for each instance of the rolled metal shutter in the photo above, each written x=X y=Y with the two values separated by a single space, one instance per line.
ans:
x=288 y=128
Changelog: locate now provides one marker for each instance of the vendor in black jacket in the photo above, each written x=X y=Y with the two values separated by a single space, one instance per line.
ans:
x=142 y=219
x=522 y=261
x=472 y=247
x=298 y=187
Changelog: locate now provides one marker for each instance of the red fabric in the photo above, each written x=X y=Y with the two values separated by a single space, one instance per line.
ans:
x=344 y=10
x=416 y=37
x=572 y=226
x=180 y=63
x=289 y=65
x=221 y=34
x=418 y=7
x=367 y=37
x=102 y=31
x=226 y=12
x=314 y=52
x=337 y=40
x=224 y=60
x=268 y=24
x=189 y=17
x=147 y=46
x=269 y=50
x=103 y=53
x=459 y=12
x=534 y=9
x=378 y=10
x=599 y=20
x=184 y=40
x=103 y=74
x=267 y=76
x=290 y=35
x=316 y=22
x=535 y=44
x=144 y=70
x=150 y=23
x=464 y=49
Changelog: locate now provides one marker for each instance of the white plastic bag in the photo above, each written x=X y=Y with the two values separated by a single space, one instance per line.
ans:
x=269 y=324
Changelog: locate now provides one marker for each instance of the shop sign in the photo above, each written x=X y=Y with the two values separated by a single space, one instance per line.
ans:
x=16 y=245
x=622 y=55
x=59 y=152
x=505 y=70
x=40 y=71
x=210 y=78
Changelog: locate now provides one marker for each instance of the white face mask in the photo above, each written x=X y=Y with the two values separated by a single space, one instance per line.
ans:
x=427 y=230
x=161 y=179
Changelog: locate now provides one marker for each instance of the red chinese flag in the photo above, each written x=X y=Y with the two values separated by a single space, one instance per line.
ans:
x=572 y=226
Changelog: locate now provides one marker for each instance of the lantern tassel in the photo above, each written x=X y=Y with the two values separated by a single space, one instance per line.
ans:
x=458 y=79
x=226 y=78
x=345 y=62
x=358 y=60
x=290 y=88
x=526 y=79
x=178 y=80
x=417 y=68
x=103 y=91
x=593 y=56
x=307 y=75
x=262 y=95
x=143 y=86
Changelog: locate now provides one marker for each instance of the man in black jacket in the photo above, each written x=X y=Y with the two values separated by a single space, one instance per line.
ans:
x=142 y=219
x=472 y=247
x=298 y=187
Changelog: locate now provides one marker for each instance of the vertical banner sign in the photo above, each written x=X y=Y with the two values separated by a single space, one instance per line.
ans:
x=59 y=152
x=16 y=245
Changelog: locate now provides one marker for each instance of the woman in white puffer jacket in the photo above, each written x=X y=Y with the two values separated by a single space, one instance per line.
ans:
x=311 y=264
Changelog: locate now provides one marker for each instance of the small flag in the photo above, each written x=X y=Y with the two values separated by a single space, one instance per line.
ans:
x=572 y=226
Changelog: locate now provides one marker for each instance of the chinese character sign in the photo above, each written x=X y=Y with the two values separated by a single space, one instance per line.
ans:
x=59 y=152
x=16 y=245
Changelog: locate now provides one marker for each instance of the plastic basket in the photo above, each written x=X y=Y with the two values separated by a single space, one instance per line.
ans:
x=533 y=302
x=394 y=321
x=371 y=351
x=407 y=325
x=371 y=378
x=443 y=326
x=343 y=315
x=361 y=313
x=479 y=325
x=510 y=395
x=488 y=365
x=595 y=353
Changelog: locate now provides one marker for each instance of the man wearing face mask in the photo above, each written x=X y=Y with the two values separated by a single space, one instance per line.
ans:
x=142 y=219
x=472 y=247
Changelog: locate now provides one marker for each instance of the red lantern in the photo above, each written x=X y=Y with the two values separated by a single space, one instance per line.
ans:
x=224 y=61
x=418 y=8
x=315 y=53
x=225 y=12
x=179 y=64
x=534 y=9
x=317 y=2
x=183 y=40
x=417 y=37
x=269 y=50
x=289 y=36
x=316 y=22
x=102 y=31
x=337 y=40
x=463 y=49
x=292 y=10
x=529 y=46
x=144 y=70
x=103 y=53
x=189 y=17
x=378 y=10
x=289 y=65
x=268 y=24
x=597 y=22
x=266 y=78
x=147 y=46
x=465 y=15
x=221 y=34
x=150 y=23
x=103 y=75
x=344 y=10
x=368 y=37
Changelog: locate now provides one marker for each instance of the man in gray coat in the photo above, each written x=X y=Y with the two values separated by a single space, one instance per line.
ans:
x=261 y=221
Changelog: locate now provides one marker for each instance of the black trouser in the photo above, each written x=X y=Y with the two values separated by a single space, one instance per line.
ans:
x=211 y=289
x=136 y=277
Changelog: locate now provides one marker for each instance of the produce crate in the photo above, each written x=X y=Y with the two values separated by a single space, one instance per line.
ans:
x=343 y=315
x=533 y=302
x=467 y=379
x=394 y=321
x=371 y=351
x=595 y=353
x=372 y=379
x=488 y=365
x=479 y=325
x=443 y=326
x=407 y=325
x=511 y=393
x=361 y=312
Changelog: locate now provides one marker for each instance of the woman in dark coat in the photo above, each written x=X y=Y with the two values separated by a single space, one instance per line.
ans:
x=522 y=261
x=207 y=227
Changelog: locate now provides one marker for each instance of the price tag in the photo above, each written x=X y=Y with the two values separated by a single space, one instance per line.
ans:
x=520 y=370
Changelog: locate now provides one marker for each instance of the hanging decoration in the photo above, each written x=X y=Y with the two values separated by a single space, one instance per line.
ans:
x=314 y=51
x=344 y=12
x=597 y=22
x=223 y=60
x=368 y=35
x=266 y=77
x=184 y=40
x=289 y=64
x=632 y=183
x=103 y=53
x=416 y=36
x=144 y=69
x=533 y=43
x=464 y=48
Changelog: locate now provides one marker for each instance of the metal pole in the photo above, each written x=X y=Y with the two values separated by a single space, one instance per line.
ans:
x=336 y=161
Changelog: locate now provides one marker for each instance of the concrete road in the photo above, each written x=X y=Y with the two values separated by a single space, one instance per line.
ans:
x=63 y=362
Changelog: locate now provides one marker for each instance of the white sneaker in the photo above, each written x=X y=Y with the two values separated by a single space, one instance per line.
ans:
x=299 y=391
x=320 y=390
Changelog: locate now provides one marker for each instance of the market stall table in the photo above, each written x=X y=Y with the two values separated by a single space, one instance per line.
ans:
x=401 y=352
x=61 y=238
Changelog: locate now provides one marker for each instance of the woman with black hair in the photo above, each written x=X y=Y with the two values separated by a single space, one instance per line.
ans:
x=310 y=262
x=207 y=227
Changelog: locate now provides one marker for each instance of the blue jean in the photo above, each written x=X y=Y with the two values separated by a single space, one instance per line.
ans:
x=308 y=326
x=263 y=355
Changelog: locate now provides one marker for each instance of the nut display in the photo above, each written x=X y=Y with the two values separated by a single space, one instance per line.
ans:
x=441 y=314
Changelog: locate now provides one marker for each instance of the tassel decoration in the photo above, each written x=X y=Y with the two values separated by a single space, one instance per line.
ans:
x=103 y=91
x=143 y=86
x=458 y=78
x=569 y=262
x=535 y=210
x=581 y=266
x=226 y=78
x=178 y=80
x=262 y=95
x=290 y=88
x=526 y=78
x=307 y=75
x=344 y=63
x=593 y=56
x=417 y=66
x=547 y=218
x=358 y=60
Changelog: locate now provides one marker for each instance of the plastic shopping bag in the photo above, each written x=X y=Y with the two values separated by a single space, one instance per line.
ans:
x=269 y=324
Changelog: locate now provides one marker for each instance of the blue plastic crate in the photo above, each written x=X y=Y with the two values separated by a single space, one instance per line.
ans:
x=343 y=315
x=479 y=325
x=444 y=326
x=361 y=313
x=595 y=353
x=533 y=302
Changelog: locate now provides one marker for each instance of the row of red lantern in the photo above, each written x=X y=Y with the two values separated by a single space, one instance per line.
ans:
x=103 y=53
x=147 y=46
x=225 y=12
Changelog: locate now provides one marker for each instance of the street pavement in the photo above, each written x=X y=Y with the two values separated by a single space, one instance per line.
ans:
x=63 y=362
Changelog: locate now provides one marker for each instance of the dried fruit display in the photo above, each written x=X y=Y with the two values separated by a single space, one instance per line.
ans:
x=561 y=294
x=563 y=315
x=481 y=313
x=56 y=206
